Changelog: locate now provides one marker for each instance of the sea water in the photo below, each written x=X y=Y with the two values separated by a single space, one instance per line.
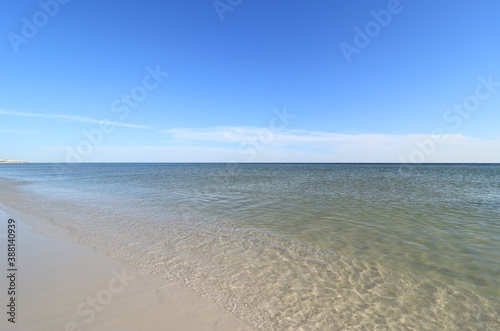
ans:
x=292 y=246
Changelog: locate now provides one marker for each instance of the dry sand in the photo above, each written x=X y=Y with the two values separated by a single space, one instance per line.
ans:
x=61 y=285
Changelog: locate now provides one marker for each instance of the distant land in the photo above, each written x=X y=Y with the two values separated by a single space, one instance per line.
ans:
x=11 y=161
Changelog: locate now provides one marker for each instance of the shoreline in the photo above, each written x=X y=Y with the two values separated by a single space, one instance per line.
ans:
x=63 y=285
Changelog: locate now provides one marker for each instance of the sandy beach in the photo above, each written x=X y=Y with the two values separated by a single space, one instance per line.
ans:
x=61 y=285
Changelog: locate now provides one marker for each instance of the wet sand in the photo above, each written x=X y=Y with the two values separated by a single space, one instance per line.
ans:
x=61 y=285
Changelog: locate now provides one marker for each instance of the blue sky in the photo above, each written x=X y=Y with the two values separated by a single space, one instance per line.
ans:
x=250 y=81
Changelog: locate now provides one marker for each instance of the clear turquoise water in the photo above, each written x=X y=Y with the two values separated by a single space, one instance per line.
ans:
x=293 y=246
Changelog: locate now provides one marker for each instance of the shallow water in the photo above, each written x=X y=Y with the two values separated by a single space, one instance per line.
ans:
x=292 y=246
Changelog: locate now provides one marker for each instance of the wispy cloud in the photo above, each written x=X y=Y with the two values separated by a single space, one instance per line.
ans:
x=231 y=144
x=244 y=133
x=466 y=151
x=288 y=137
x=317 y=146
x=73 y=118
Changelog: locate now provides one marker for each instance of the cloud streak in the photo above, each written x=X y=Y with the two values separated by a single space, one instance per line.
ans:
x=317 y=146
x=291 y=137
x=231 y=144
x=73 y=118
x=240 y=134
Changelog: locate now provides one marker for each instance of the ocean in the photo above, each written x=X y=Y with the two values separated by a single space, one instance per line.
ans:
x=292 y=246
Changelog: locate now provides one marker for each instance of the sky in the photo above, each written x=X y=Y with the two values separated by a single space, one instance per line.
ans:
x=250 y=81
